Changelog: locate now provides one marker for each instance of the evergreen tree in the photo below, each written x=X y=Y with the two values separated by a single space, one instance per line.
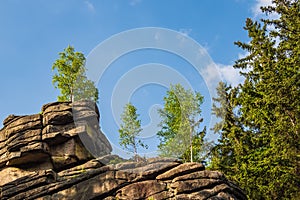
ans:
x=225 y=152
x=179 y=135
x=130 y=130
x=261 y=123
x=71 y=78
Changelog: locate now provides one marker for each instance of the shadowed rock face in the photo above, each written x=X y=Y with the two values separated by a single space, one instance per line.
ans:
x=42 y=156
x=52 y=139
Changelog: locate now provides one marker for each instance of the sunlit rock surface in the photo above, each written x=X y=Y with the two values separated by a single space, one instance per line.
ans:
x=61 y=153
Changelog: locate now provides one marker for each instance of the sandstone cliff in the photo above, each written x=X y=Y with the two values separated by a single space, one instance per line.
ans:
x=62 y=154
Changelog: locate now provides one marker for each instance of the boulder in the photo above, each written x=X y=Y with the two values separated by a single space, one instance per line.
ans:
x=21 y=140
x=63 y=154
x=64 y=134
x=93 y=180
x=21 y=124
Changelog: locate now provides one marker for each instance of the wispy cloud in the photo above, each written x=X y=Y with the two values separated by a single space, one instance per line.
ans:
x=243 y=54
x=256 y=11
x=90 y=6
x=134 y=2
x=229 y=74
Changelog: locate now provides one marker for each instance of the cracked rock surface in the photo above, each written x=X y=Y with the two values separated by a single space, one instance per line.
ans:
x=42 y=156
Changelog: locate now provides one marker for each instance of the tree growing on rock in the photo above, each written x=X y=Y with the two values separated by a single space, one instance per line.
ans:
x=70 y=77
x=180 y=136
x=130 y=129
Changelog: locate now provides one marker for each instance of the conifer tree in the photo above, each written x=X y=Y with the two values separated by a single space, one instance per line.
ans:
x=265 y=143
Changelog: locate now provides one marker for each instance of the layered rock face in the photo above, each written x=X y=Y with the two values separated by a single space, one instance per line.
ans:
x=62 y=154
x=52 y=139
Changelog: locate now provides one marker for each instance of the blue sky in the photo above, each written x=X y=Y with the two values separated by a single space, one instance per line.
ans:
x=33 y=32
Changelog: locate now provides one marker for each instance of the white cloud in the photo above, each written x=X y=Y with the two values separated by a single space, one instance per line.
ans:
x=256 y=11
x=90 y=6
x=258 y=3
x=134 y=2
x=243 y=55
x=230 y=74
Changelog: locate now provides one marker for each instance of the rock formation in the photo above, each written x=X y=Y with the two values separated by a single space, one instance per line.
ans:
x=62 y=154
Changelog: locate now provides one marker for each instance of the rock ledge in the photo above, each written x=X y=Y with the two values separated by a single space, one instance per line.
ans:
x=42 y=156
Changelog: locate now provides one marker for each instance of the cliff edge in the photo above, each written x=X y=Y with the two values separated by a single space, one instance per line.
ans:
x=61 y=153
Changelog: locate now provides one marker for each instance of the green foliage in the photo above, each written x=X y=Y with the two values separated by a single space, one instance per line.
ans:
x=179 y=135
x=230 y=140
x=116 y=160
x=71 y=79
x=201 y=148
x=130 y=129
x=259 y=147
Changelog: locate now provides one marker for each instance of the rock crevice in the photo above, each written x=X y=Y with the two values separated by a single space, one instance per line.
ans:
x=61 y=153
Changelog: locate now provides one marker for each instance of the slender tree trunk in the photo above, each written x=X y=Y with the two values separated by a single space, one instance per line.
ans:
x=135 y=151
x=191 y=152
x=191 y=143
x=71 y=95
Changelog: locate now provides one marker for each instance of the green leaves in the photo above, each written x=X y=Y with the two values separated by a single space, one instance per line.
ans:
x=179 y=132
x=71 y=79
x=130 y=130
x=259 y=144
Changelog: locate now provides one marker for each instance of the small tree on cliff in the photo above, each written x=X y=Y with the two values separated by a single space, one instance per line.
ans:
x=180 y=135
x=71 y=78
x=130 y=130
